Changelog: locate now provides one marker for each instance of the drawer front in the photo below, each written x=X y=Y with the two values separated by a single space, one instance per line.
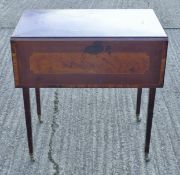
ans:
x=89 y=63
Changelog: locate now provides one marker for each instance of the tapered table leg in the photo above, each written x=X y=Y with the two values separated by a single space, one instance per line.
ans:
x=138 y=104
x=38 y=102
x=27 y=109
x=152 y=93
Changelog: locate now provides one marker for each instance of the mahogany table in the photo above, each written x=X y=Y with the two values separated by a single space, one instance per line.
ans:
x=89 y=48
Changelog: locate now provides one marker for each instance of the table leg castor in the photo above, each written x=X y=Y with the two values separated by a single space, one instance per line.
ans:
x=32 y=157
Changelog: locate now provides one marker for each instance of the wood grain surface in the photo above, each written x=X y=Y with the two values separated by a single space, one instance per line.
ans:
x=84 y=63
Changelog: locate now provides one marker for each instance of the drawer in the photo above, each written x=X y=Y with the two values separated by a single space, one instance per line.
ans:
x=89 y=62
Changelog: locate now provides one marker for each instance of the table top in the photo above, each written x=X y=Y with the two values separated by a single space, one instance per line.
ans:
x=89 y=23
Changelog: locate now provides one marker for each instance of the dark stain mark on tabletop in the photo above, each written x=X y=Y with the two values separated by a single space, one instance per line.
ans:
x=108 y=49
x=95 y=48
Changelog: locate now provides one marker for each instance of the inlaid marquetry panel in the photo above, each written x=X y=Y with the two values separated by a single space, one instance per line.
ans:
x=101 y=63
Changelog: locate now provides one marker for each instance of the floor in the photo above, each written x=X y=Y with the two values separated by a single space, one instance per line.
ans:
x=90 y=131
